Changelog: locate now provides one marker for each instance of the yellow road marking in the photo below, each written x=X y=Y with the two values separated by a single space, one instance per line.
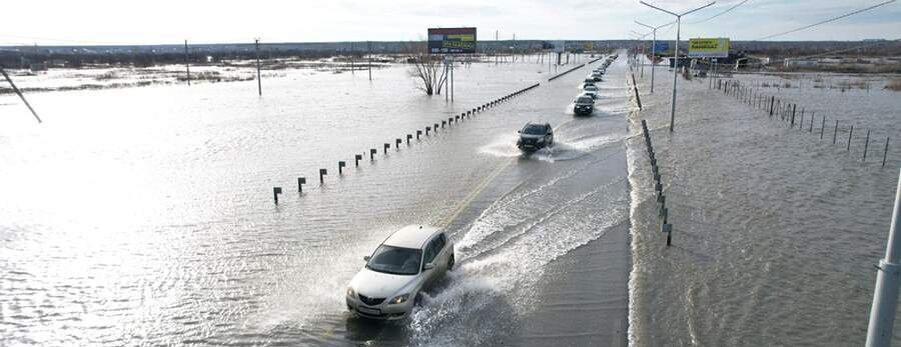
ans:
x=472 y=195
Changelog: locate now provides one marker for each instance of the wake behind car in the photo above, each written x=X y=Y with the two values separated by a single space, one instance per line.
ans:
x=583 y=106
x=409 y=261
x=534 y=136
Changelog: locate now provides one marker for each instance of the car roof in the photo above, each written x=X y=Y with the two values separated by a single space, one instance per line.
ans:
x=411 y=236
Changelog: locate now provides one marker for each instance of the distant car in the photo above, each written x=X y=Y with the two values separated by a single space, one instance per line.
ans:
x=592 y=88
x=593 y=94
x=597 y=77
x=535 y=136
x=588 y=84
x=584 y=106
x=588 y=80
x=409 y=261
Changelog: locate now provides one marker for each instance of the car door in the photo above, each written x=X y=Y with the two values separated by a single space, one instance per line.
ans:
x=429 y=255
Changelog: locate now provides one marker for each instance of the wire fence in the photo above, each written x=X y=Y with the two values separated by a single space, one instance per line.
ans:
x=857 y=141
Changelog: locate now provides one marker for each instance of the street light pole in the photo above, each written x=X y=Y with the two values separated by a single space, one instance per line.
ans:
x=672 y=116
x=885 y=296
x=653 y=49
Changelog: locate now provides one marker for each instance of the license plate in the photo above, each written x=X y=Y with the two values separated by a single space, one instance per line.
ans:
x=368 y=310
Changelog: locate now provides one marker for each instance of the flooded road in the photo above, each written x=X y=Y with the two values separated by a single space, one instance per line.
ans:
x=145 y=215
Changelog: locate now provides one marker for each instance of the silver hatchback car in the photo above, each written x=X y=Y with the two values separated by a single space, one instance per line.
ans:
x=409 y=261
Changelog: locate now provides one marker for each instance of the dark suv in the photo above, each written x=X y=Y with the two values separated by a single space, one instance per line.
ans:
x=584 y=106
x=535 y=136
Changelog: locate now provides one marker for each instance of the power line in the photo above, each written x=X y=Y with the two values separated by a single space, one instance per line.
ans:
x=827 y=21
x=721 y=13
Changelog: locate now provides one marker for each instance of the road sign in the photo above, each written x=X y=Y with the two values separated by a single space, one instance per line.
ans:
x=661 y=47
x=452 y=40
x=708 y=48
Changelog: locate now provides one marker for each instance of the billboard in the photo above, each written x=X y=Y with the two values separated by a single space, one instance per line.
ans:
x=452 y=40
x=708 y=48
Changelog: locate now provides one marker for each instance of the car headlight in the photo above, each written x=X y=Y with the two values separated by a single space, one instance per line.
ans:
x=400 y=299
x=350 y=292
x=540 y=140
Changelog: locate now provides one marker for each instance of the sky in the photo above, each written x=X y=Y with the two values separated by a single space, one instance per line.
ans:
x=95 y=22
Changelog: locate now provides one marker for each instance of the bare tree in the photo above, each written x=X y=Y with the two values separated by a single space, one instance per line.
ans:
x=429 y=70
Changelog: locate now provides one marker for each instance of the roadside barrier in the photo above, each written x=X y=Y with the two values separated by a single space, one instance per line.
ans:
x=429 y=129
x=565 y=72
x=786 y=112
x=662 y=210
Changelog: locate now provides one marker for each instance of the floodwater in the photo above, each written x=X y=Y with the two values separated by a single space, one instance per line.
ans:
x=775 y=230
x=145 y=215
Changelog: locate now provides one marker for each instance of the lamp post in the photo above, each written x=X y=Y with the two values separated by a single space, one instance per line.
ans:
x=885 y=295
x=639 y=37
x=653 y=48
x=672 y=116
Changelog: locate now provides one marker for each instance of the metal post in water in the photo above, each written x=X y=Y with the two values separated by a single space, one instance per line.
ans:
x=866 y=145
x=372 y=152
x=885 y=152
x=850 y=133
x=341 y=165
x=357 y=159
x=259 y=81
x=885 y=295
x=409 y=136
x=835 y=133
x=187 y=67
x=322 y=172
x=397 y=143
x=387 y=145
x=823 y=127
x=300 y=182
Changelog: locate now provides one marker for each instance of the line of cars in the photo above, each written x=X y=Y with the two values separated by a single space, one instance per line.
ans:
x=584 y=103
x=414 y=258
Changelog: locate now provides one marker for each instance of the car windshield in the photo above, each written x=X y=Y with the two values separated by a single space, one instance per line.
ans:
x=534 y=129
x=591 y=88
x=584 y=100
x=395 y=260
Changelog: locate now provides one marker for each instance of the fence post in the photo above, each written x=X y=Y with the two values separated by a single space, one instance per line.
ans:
x=823 y=127
x=835 y=133
x=850 y=133
x=866 y=145
x=885 y=153
x=772 y=102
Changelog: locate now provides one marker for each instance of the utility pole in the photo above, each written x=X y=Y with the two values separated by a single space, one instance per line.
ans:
x=187 y=67
x=496 y=56
x=513 y=49
x=885 y=296
x=352 y=58
x=653 y=49
x=369 y=57
x=259 y=81
x=672 y=117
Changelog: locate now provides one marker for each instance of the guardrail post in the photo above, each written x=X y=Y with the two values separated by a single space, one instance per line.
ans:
x=275 y=192
x=341 y=165
x=357 y=159
x=300 y=182
x=322 y=172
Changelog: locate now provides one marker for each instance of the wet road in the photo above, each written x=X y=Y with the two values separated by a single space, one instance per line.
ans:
x=145 y=216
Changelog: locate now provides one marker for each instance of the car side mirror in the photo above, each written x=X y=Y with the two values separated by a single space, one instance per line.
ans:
x=366 y=258
x=428 y=266
x=519 y=131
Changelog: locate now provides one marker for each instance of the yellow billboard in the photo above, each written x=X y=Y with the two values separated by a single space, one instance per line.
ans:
x=708 y=48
